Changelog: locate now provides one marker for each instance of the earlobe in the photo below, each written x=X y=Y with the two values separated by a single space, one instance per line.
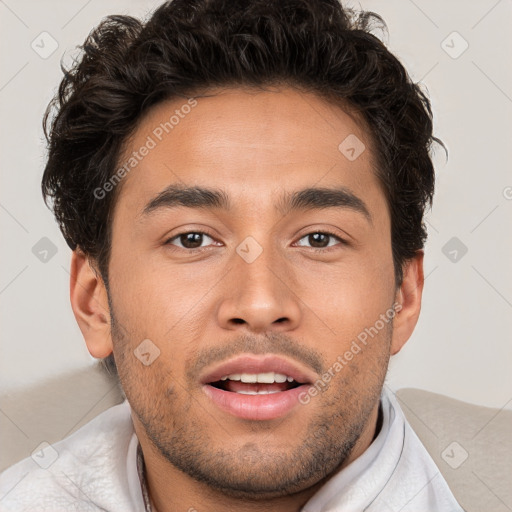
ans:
x=408 y=297
x=90 y=305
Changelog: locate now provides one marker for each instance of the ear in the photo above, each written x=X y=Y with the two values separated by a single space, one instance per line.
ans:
x=89 y=301
x=409 y=297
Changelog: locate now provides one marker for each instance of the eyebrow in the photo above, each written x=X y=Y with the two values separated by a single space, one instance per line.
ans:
x=313 y=198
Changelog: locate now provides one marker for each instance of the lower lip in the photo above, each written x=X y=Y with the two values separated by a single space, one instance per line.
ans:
x=255 y=407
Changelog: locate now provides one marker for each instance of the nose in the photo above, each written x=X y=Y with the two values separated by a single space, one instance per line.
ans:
x=259 y=296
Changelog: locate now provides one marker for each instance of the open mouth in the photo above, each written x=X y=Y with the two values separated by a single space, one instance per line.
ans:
x=256 y=383
x=257 y=388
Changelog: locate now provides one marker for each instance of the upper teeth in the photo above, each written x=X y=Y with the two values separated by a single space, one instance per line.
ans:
x=266 y=378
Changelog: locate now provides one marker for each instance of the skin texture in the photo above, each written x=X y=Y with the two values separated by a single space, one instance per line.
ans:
x=202 y=307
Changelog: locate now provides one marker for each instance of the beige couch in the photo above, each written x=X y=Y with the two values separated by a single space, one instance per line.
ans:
x=471 y=445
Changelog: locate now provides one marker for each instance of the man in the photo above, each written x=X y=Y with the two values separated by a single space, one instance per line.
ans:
x=243 y=185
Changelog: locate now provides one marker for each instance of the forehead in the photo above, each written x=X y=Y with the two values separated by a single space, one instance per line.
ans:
x=254 y=143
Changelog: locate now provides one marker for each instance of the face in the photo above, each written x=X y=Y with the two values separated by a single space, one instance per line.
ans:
x=252 y=280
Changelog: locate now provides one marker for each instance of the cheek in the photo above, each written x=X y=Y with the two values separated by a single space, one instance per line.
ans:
x=353 y=295
x=147 y=297
x=150 y=304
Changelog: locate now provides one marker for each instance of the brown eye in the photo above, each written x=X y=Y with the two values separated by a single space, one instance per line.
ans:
x=320 y=240
x=189 y=240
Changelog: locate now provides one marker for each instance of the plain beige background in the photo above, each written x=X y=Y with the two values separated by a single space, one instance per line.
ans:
x=462 y=345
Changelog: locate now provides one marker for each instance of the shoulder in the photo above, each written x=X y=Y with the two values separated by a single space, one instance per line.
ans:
x=416 y=483
x=86 y=471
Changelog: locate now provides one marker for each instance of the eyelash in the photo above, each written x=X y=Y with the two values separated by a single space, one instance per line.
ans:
x=314 y=249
